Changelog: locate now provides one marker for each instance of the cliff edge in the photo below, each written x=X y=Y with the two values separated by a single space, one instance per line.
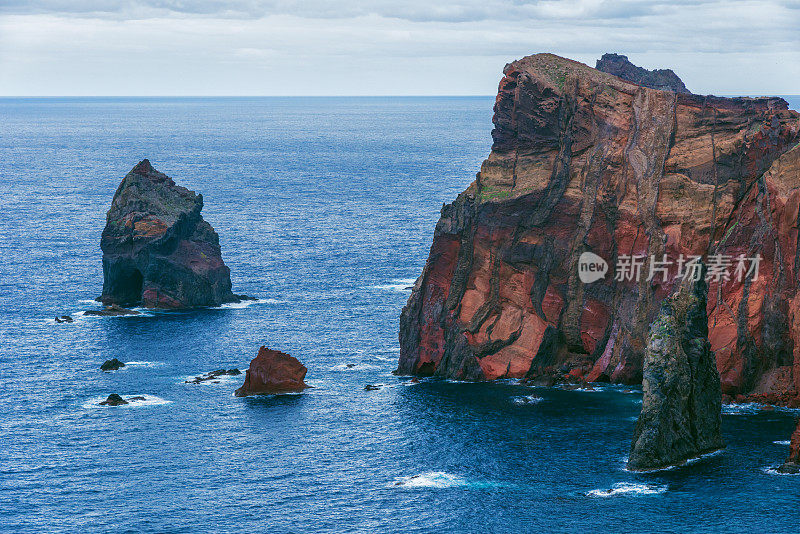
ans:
x=583 y=161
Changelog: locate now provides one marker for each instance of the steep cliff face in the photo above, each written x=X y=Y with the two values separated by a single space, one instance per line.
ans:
x=682 y=400
x=621 y=67
x=583 y=161
x=158 y=251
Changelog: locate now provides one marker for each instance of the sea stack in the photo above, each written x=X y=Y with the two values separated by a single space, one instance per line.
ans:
x=792 y=464
x=682 y=401
x=272 y=372
x=621 y=67
x=587 y=162
x=158 y=252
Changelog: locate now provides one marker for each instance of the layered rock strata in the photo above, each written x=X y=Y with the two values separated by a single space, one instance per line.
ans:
x=583 y=161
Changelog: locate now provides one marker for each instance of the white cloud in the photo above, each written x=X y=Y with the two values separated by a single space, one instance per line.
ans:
x=169 y=47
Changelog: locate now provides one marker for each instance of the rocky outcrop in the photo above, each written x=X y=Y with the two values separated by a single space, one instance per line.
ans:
x=213 y=376
x=158 y=252
x=273 y=372
x=112 y=365
x=583 y=161
x=792 y=464
x=112 y=310
x=621 y=67
x=682 y=399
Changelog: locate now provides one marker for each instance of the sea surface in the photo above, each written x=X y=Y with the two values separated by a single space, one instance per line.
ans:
x=325 y=209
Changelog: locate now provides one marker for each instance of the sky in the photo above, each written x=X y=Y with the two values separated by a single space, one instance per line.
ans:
x=381 y=47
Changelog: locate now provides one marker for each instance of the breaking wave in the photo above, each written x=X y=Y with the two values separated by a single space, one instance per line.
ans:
x=628 y=488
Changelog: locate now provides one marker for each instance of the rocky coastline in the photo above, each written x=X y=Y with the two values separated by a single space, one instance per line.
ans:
x=584 y=161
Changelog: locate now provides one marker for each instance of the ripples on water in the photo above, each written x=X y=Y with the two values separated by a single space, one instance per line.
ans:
x=325 y=210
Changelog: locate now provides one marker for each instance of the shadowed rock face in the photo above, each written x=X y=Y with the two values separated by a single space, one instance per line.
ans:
x=792 y=464
x=662 y=79
x=271 y=372
x=158 y=251
x=583 y=161
x=682 y=401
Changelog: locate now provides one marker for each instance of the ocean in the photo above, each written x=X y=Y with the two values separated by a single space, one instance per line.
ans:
x=325 y=209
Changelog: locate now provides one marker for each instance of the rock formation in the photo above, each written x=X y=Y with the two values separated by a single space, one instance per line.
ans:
x=112 y=365
x=158 y=252
x=792 y=464
x=583 y=161
x=682 y=399
x=273 y=372
x=112 y=310
x=213 y=376
x=662 y=79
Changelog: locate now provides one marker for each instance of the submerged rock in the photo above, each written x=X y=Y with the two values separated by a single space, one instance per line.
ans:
x=213 y=375
x=583 y=161
x=158 y=252
x=111 y=311
x=661 y=79
x=682 y=399
x=372 y=387
x=114 y=400
x=792 y=464
x=271 y=372
x=112 y=365
x=64 y=319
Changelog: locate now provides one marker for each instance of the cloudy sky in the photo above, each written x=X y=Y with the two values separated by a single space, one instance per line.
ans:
x=381 y=47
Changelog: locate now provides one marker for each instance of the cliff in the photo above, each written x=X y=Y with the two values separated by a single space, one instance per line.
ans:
x=621 y=67
x=583 y=161
x=158 y=251
x=682 y=400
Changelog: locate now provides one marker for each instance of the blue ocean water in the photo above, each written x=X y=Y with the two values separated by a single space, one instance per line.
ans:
x=325 y=209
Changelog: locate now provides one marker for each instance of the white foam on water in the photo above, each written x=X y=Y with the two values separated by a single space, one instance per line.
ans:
x=403 y=285
x=785 y=442
x=526 y=399
x=353 y=366
x=774 y=471
x=748 y=408
x=431 y=479
x=246 y=303
x=629 y=489
x=149 y=400
x=143 y=364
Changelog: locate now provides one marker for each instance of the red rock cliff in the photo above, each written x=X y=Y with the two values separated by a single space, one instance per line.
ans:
x=584 y=161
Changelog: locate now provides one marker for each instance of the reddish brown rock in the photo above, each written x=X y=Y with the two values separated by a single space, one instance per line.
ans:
x=272 y=372
x=583 y=161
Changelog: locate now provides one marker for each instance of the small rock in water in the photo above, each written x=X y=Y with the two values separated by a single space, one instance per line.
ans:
x=350 y=365
x=213 y=375
x=64 y=319
x=112 y=365
x=372 y=387
x=111 y=311
x=115 y=400
x=272 y=372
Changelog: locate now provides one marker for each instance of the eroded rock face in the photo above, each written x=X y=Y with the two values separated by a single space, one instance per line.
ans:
x=158 y=252
x=583 y=161
x=621 y=67
x=792 y=464
x=272 y=372
x=682 y=399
